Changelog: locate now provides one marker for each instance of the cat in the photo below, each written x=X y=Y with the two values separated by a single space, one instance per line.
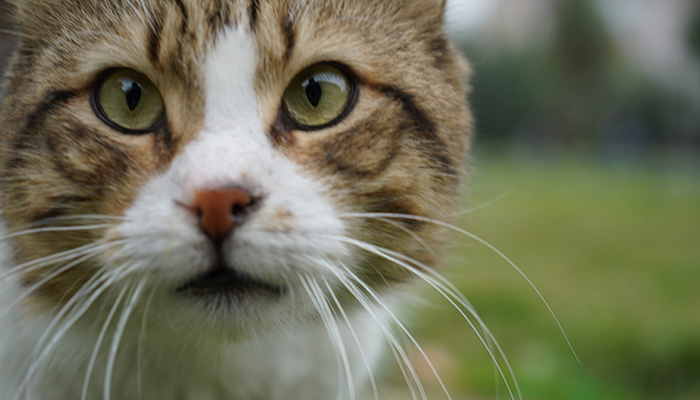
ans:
x=222 y=199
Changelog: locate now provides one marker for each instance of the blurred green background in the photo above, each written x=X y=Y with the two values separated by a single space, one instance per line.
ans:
x=587 y=165
x=587 y=160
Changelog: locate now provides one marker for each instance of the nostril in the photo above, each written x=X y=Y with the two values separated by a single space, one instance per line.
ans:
x=238 y=210
x=220 y=211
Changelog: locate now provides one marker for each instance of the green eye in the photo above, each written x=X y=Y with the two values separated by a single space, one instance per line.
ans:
x=318 y=97
x=129 y=101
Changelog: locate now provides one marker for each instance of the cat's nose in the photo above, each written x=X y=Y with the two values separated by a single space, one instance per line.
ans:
x=220 y=211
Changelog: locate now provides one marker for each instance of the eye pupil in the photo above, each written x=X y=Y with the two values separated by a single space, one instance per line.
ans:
x=313 y=92
x=133 y=95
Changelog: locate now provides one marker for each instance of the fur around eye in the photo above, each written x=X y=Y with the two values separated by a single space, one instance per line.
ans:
x=129 y=102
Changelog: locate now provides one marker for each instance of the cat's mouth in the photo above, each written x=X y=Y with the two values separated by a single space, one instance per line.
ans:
x=223 y=279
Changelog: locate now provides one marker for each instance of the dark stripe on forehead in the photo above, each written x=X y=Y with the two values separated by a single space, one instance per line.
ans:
x=219 y=17
x=185 y=17
x=154 y=39
x=290 y=36
x=253 y=11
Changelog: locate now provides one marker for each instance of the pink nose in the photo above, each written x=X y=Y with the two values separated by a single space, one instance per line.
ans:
x=220 y=211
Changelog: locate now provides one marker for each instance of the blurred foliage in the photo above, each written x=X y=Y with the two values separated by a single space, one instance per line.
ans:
x=693 y=36
x=581 y=41
x=576 y=91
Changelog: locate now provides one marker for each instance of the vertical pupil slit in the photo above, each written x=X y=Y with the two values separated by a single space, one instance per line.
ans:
x=313 y=92
x=133 y=96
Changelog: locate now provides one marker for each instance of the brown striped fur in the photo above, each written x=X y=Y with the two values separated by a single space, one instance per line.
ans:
x=400 y=150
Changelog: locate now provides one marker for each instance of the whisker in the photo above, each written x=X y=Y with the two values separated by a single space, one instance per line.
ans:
x=403 y=328
x=403 y=361
x=47 y=278
x=142 y=336
x=67 y=255
x=80 y=217
x=410 y=232
x=486 y=204
x=94 y=282
x=444 y=291
x=98 y=343
x=327 y=318
x=355 y=337
x=97 y=285
x=118 y=336
x=292 y=293
x=339 y=338
x=484 y=243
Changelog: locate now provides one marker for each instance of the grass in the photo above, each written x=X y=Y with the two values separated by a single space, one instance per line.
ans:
x=616 y=253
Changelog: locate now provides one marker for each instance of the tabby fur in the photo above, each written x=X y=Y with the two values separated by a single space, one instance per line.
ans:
x=222 y=67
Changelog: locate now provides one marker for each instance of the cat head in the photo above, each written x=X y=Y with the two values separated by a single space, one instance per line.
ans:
x=232 y=161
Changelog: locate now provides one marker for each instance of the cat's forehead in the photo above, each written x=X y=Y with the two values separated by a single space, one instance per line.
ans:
x=173 y=37
x=205 y=18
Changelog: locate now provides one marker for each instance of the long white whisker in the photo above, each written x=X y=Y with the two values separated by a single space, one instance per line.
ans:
x=403 y=361
x=98 y=343
x=403 y=328
x=50 y=277
x=410 y=232
x=55 y=229
x=87 y=254
x=487 y=204
x=449 y=295
x=292 y=294
x=94 y=282
x=355 y=337
x=484 y=243
x=118 y=336
x=79 y=217
x=142 y=336
x=327 y=318
x=450 y=292
x=338 y=337
x=52 y=259
x=98 y=284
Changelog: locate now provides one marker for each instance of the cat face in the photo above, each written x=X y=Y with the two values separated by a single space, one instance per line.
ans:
x=228 y=160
